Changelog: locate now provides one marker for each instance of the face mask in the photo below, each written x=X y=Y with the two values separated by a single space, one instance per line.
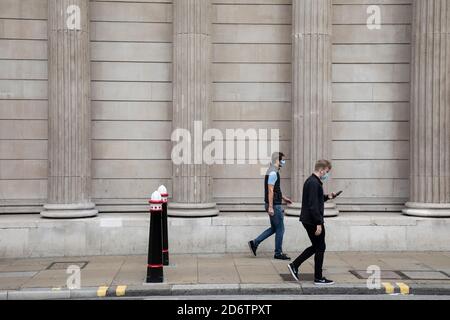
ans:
x=325 y=177
x=282 y=163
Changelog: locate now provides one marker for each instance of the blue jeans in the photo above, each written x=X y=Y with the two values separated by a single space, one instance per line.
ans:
x=276 y=226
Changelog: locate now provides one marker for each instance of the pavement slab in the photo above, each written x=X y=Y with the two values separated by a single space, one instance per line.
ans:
x=426 y=275
x=224 y=274
x=12 y=283
x=130 y=278
x=47 y=279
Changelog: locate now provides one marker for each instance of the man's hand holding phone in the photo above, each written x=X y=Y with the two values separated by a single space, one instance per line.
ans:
x=334 y=195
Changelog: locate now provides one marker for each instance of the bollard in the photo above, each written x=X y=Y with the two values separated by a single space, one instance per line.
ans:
x=154 y=262
x=165 y=235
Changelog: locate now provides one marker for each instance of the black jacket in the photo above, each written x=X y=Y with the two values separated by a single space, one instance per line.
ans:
x=313 y=201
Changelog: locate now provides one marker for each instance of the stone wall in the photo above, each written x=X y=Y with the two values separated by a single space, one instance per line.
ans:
x=131 y=73
x=371 y=94
x=23 y=103
x=252 y=86
x=131 y=82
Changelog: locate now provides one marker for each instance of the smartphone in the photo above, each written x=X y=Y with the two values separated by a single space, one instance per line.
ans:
x=338 y=194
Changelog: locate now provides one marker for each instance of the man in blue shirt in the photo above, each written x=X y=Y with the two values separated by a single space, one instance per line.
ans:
x=273 y=198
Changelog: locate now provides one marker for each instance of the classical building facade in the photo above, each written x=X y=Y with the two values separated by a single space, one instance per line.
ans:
x=91 y=91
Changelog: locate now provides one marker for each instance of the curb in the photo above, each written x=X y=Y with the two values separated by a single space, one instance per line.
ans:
x=429 y=289
x=149 y=290
x=48 y=294
x=350 y=289
x=205 y=289
x=264 y=289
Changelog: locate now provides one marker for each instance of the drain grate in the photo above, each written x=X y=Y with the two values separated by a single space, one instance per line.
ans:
x=66 y=264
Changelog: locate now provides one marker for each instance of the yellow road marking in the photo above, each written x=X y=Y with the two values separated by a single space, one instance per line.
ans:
x=389 y=287
x=404 y=288
x=120 y=291
x=101 y=292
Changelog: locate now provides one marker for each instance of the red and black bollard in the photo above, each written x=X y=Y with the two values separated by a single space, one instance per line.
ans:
x=154 y=262
x=165 y=235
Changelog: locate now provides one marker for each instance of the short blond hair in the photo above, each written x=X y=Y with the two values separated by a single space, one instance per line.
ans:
x=322 y=164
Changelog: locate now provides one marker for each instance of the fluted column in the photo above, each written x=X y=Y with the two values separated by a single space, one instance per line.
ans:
x=69 y=115
x=192 y=181
x=311 y=94
x=430 y=110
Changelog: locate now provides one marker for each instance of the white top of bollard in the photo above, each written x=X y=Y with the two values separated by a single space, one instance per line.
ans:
x=156 y=197
x=163 y=191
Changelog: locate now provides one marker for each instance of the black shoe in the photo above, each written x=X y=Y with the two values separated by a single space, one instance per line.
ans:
x=281 y=257
x=323 y=282
x=251 y=245
x=293 y=270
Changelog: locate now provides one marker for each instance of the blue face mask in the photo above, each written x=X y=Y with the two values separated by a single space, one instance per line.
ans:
x=325 y=177
x=282 y=163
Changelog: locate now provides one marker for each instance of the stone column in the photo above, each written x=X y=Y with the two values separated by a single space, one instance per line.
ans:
x=192 y=181
x=430 y=110
x=69 y=118
x=311 y=94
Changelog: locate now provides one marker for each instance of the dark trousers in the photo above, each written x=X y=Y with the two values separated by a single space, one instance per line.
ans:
x=317 y=249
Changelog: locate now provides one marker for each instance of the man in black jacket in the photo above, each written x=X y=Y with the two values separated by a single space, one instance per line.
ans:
x=311 y=216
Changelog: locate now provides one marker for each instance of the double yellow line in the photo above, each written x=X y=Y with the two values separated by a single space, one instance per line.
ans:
x=390 y=289
x=120 y=291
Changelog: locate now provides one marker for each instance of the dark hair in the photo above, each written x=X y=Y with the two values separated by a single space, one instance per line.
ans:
x=277 y=156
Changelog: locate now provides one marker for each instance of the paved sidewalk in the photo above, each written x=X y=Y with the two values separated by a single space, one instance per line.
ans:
x=405 y=272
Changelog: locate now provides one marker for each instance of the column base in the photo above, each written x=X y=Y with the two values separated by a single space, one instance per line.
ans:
x=430 y=210
x=69 y=211
x=295 y=208
x=192 y=210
